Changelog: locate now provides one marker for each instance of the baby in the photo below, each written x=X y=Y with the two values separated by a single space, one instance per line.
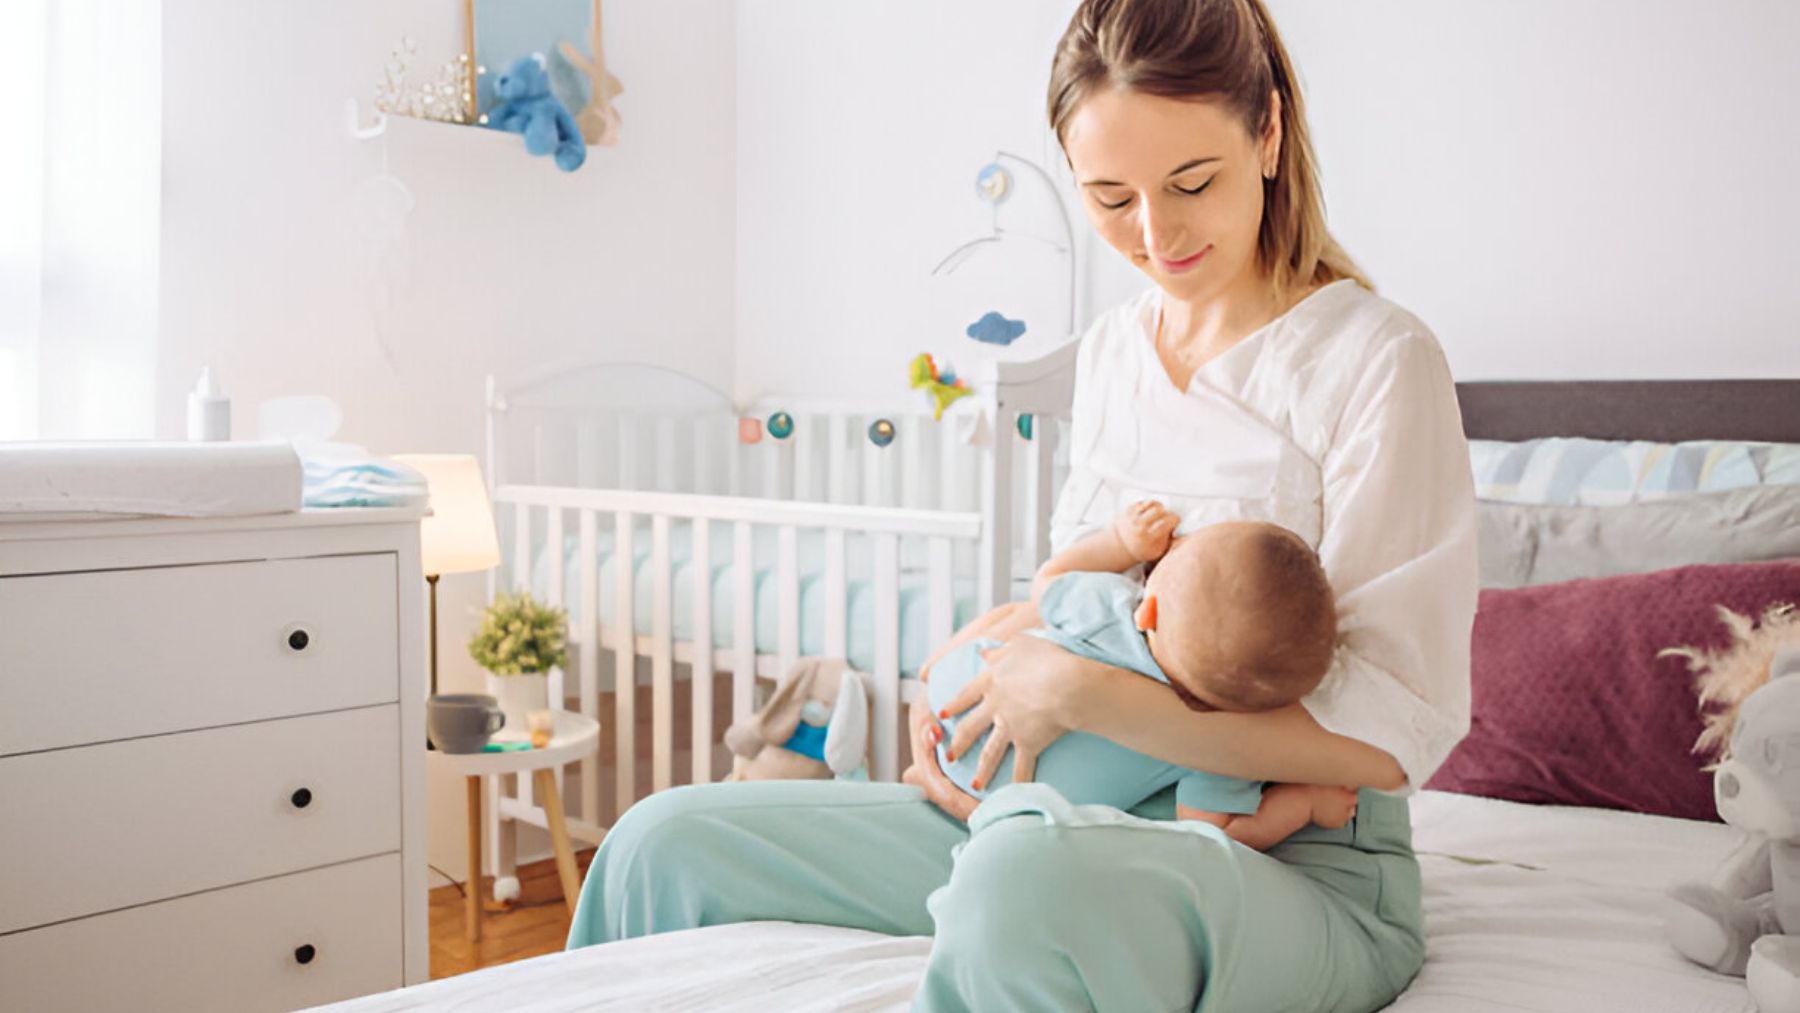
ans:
x=1236 y=616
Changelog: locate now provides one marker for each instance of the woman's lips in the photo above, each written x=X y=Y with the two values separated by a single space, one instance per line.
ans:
x=1178 y=266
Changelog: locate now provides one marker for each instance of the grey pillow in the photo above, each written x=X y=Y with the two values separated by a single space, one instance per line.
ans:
x=1523 y=545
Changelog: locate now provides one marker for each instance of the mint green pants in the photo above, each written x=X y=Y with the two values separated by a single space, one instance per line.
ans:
x=1036 y=904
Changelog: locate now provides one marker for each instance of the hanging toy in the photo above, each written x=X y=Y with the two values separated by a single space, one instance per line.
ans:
x=781 y=425
x=881 y=432
x=1024 y=424
x=993 y=184
x=945 y=389
x=749 y=431
x=994 y=329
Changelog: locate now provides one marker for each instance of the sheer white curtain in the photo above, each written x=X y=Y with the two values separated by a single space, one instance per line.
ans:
x=80 y=182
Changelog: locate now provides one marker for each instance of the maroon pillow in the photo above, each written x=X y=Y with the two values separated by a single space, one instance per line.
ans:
x=1571 y=704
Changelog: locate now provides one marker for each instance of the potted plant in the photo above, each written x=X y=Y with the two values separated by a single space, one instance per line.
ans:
x=520 y=640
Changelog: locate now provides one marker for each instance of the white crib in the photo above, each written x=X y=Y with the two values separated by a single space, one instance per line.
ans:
x=821 y=542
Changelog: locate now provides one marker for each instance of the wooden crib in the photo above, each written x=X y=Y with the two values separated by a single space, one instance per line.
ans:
x=813 y=539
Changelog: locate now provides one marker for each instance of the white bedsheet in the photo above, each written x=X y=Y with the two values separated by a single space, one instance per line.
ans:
x=1528 y=908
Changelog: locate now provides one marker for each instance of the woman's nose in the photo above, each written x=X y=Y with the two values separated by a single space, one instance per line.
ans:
x=1162 y=234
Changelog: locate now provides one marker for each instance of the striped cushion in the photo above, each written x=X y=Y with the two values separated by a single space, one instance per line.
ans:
x=1605 y=473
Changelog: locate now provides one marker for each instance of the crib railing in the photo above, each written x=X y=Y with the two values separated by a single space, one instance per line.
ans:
x=554 y=511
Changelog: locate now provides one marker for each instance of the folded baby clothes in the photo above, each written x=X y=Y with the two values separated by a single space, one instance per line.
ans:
x=346 y=475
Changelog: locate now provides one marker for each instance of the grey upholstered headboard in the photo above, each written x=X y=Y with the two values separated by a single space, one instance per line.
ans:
x=1666 y=411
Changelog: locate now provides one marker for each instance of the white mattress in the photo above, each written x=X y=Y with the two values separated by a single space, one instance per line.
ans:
x=64 y=481
x=1528 y=908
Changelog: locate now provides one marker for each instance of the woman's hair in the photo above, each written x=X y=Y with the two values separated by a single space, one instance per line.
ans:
x=1221 y=50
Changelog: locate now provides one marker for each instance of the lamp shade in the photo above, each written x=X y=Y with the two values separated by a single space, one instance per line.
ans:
x=458 y=537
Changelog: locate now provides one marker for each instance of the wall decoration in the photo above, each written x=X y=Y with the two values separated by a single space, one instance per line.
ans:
x=750 y=431
x=781 y=425
x=445 y=97
x=566 y=34
x=994 y=329
x=881 y=432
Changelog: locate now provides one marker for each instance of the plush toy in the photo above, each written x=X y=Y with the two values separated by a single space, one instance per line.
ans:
x=599 y=119
x=525 y=106
x=816 y=726
x=1747 y=921
x=943 y=387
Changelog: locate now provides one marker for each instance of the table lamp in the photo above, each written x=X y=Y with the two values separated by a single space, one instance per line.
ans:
x=458 y=535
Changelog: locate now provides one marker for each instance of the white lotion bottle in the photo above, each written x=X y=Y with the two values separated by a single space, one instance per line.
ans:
x=208 y=411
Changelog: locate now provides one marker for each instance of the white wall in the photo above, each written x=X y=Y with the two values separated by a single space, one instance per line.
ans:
x=1596 y=189
x=1560 y=190
x=508 y=264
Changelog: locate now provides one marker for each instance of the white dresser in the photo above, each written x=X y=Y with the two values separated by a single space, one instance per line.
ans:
x=211 y=761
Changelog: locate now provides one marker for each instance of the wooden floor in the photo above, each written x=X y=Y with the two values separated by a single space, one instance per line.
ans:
x=537 y=923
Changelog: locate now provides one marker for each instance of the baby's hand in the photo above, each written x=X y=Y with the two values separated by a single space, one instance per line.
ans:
x=1146 y=529
x=1332 y=807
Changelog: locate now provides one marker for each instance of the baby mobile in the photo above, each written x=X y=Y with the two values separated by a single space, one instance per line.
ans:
x=939 y=382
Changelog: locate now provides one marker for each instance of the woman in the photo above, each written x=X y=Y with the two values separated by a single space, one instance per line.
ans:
x=1259 y=378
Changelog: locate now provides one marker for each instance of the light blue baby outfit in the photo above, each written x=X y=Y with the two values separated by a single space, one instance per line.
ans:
x=1093 y=615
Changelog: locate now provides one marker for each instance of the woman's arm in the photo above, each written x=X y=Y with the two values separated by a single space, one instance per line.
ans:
x=1038 y=691
x=1278 y=745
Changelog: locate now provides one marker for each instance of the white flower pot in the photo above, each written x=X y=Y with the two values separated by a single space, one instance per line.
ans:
x=518 y=696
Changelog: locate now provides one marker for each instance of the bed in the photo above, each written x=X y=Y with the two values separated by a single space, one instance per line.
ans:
x=1529 y=907
x=1541 y=908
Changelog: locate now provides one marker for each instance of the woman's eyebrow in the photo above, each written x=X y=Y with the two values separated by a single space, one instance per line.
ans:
x=1185 y=166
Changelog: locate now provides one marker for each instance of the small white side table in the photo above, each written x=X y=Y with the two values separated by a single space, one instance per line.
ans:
x=575 y=736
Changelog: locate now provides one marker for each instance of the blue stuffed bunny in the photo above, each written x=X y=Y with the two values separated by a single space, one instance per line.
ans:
x=526 y=107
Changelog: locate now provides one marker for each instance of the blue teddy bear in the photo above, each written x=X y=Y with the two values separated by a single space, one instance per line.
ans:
x=526 y=107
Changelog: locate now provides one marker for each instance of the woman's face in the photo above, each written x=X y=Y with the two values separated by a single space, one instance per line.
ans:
x=1174 y=185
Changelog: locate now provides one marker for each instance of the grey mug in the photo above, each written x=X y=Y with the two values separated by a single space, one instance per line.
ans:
x=462 y=722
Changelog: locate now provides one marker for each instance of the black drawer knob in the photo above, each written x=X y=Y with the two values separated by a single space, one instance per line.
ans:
x=305 y=953
x=298 y=640
x=301 y=799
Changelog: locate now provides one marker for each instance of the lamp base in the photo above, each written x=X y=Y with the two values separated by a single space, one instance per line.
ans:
x=432 y=579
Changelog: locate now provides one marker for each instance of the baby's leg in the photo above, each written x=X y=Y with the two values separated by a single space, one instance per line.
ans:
x=1286 y=808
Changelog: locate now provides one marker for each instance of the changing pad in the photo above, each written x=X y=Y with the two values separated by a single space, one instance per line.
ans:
x=61 y=481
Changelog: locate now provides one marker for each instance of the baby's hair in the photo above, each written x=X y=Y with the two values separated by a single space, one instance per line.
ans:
x=1273 y=632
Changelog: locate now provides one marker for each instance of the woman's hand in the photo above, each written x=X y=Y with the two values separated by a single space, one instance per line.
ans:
x=1026 y=696
x=925 y=771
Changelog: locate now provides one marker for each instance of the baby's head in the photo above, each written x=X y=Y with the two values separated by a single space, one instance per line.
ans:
x=1240 y=616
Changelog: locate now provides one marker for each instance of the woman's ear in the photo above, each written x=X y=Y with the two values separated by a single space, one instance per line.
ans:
x=1146 y=613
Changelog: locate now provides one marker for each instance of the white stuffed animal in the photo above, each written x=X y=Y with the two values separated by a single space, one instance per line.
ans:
x=1748 y=920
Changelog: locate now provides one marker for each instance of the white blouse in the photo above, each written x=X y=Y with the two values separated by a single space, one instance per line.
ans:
x=1337 y=420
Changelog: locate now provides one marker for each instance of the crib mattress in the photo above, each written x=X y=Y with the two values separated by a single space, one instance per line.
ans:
x=1543 y=909
x=915 y=607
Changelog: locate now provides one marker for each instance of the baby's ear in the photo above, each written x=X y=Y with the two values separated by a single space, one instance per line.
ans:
x=1146 y=613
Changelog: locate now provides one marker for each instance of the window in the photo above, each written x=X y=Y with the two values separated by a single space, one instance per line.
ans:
x=80 y=177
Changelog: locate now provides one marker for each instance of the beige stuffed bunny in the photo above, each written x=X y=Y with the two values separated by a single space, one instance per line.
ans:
x=816 y=726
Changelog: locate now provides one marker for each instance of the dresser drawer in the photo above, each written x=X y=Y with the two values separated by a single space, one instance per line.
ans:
x=237 y=949
x=103 y=827
x=113 y=654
